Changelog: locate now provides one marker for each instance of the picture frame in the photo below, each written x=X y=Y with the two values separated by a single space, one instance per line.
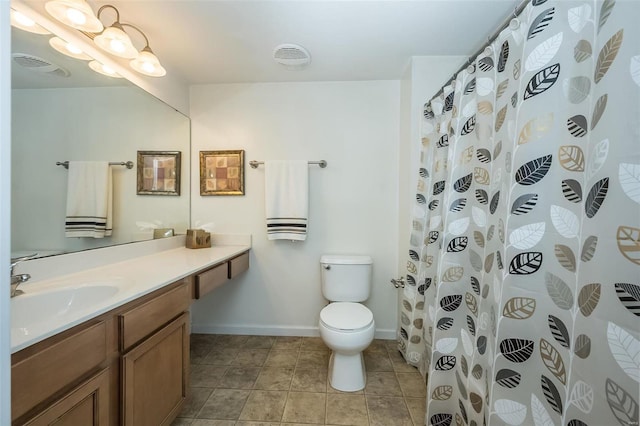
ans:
x=158 y=172
x=222 y=172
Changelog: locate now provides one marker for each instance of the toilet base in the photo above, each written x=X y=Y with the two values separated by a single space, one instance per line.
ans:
x=346 y=372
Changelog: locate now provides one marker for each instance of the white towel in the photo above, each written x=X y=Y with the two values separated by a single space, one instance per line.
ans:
x=286 y=187
x=89 y=199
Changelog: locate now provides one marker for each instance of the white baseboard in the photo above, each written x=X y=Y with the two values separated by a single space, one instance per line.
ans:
x=258 y=330
x=255 y=330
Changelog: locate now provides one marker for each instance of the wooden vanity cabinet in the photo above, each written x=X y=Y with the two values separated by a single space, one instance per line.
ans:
x=51 y=379
x=87 y=405
x=155 y=362
x=90 y=374
x=208 y=280
x=129 y=366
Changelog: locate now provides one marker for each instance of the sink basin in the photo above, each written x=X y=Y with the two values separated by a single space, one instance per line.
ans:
x=32 y=310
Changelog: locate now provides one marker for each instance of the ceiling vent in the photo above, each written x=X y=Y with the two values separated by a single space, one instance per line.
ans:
x=292 y=56
x=38 y=64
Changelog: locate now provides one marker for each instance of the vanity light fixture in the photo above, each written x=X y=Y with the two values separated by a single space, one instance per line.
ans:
x=103 y=69
x=75 y=13
x=146 y=63
x=22 y=21
x=114 y=39
x=68 y=49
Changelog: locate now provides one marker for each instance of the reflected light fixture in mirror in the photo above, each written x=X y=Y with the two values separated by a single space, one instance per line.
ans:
x=75 y=13
x=20 y=20
x=103 y=69
x=68 y=49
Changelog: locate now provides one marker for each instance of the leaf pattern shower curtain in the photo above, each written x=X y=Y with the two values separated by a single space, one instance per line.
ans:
x=523 y=301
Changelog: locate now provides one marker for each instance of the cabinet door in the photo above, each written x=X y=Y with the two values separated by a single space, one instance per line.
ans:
x=36 y=378
x=86 y=405
x=155 y=376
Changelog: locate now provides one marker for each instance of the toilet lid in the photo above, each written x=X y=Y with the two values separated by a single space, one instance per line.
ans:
x=346 y=315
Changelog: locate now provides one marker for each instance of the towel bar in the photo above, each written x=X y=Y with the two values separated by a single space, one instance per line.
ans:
x=129 y=164
x=254 y=164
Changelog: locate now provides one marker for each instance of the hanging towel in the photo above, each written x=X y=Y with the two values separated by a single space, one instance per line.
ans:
x=286 y=187
x=89 y=199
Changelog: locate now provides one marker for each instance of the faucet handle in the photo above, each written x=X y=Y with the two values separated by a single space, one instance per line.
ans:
x=16 y=260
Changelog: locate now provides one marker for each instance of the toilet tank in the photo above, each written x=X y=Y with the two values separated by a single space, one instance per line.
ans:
x=346 y=278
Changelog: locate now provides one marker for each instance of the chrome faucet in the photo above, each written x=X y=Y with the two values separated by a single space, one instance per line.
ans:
x=18 y=279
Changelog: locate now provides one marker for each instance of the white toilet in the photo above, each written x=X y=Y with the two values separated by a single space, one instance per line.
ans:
x=346 y=326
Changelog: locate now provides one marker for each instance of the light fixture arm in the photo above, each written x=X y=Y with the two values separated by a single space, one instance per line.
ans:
x=117 y=21
x=146 y=40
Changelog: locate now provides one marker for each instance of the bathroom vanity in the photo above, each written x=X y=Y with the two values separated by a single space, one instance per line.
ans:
x=127 y=362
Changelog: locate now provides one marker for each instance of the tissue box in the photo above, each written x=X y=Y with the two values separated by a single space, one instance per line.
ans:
x=198 y=238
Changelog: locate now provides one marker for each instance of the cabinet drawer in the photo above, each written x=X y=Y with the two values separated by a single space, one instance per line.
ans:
x=143 y=320
x=88 y=404
x=56 y=367
x=208 y=280
x=239 y=264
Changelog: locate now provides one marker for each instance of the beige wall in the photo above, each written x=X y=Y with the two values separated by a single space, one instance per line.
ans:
x=353 y=204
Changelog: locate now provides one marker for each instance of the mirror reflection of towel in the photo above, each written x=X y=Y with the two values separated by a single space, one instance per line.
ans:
x=286 y=187
x=89 y=200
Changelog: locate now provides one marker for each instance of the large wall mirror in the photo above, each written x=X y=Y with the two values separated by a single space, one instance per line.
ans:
x=72 y=113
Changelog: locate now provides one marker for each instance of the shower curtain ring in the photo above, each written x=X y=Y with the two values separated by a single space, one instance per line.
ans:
x=488 y=49
x=514 y=24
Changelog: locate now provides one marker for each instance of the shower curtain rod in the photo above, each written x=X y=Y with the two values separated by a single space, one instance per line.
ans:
x=490 y=40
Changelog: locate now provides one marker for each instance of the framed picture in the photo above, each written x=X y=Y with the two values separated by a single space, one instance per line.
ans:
x=222 y=172
x=158 y=173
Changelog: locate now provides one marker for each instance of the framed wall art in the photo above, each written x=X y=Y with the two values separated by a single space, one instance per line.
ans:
x=222 y=172
x=158 y=173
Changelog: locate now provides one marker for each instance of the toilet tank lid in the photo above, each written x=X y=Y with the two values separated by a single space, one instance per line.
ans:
x=339 y=259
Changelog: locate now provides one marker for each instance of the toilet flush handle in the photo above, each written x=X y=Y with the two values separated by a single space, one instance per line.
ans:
x=327 y=267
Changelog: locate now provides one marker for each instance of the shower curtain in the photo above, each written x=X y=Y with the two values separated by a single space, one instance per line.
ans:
x=523 y=296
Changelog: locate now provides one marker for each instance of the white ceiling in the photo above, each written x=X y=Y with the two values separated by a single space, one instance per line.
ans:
x=230 y=41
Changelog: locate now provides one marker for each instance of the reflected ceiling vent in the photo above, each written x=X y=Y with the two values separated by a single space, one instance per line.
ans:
x=292 y=56
x=38 y=64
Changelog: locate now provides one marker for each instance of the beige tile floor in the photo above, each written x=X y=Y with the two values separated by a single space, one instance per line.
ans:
x=261 y=380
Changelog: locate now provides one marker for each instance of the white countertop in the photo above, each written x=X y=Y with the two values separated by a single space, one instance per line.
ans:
x=134 y=278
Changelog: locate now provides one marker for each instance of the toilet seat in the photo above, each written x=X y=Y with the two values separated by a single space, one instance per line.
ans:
x=346 y=316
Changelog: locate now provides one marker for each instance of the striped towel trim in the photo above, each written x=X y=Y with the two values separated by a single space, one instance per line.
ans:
x=286 y=228
x=86 y=226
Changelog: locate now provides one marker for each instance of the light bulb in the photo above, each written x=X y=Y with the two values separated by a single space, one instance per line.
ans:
x=148 y=64
x=104 y=69
x=73 y=49
x=117 y=46
x=75 y=13
x=115 y=41
x=24 y=20
x=76 y=16
x=68 y=49
x=148 y=67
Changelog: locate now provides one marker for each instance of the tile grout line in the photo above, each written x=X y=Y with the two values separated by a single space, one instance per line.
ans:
x=311 y=347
